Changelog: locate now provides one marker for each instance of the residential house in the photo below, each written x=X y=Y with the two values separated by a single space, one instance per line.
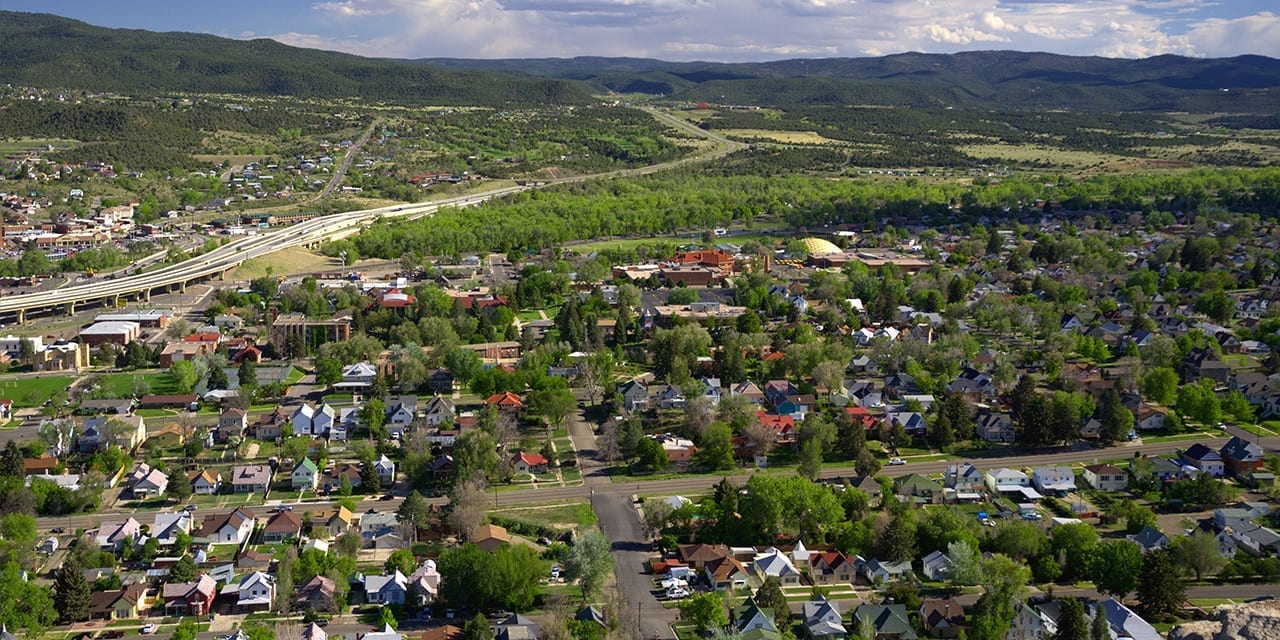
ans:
x=146 y=482
x=530 y=463
x=635 y=396
x=1106 y=477
x=941 y=617
x=205 y=482
x=120 y=604
x=440 y=382
x=386 y=589
x=1125 y=623
x=256 y=592
x=911 y=421
x=822 y=620
x=253 y=559
x=936 y=566
x=506 y=402
x=516 y=627
x=879 y=572
x=1054 y=480
x=888 y=621
x=1240 y=456
x=376 y=524
x=231 y=422
x=669 y=397
x=699 y=555
x=250 y=478
x=438 y=411
x=1203 y=362
x=357 y=377
x=918 y=487
x=305 y=475
x=424 y=583
x=386 y=470
x=965 y=479
x=193 y=598
x=1032 y=623
x=334 y=521
x=317 y=594
x=401 y=411
x=1150 y=539
x=753 y=622
x=489 y=537
x=995 y=426
x=1205 y=459
x=97 y=432
x=749 y=390
x=112 y=534
x=233 y=527
x=281 y=526
x=166 y=526
x=725 y=573
x=313 y=631
x=1149 y=418
x=773 y=563
x=832 y=567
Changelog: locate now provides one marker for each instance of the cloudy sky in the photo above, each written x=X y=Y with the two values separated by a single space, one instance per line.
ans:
x=722 y=30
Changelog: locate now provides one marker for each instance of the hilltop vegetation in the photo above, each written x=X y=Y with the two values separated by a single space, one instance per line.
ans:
x=42 y=50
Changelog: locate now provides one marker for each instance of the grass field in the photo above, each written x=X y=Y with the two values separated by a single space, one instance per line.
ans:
x=121 y=385
x=285 y=262
x=32 y=392
x=1032 y=153
x=559 y=515
x=692 y=238
x=786 y=137
x=19 y=145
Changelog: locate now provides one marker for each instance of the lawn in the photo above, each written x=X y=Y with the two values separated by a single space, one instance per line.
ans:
x=32 y=391
x=562 y=515
x=295 y=375
x=123 y=385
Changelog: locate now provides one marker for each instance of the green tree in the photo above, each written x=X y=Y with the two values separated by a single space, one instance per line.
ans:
x=1071 y=621
x=1116 y=419
x=373 y=413
x=184 y=570
x=716 y=447
x=186 y=630
x=1160 y=385
x=1117 y=567
x=1200 y=402
x=1199 y=553
x=71 y=592
x=966 y=563
x=770 y=596
x=328 y=371
x=476 y=453
x=184 y=376
x=1077 y=544
x=464 y=363
x=400 y=560
x=650 y=456
x=247 y=375
x=218 y=378
x=1004 y=585
x=11 y=465
x=705 y=611
x=589 y=562
x=1160 y=590
x=477 y=628
x=1099 y=629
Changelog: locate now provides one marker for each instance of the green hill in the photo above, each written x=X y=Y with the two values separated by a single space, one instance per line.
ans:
x=43 y=50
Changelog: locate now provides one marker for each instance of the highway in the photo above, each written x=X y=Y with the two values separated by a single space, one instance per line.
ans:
x=232 y=254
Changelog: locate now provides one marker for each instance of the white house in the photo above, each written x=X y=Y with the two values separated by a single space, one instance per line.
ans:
x=390 y=589
x=1054 y=480
x=773 y=563
x=256 y=592
x=386 y=470
x=936 y=566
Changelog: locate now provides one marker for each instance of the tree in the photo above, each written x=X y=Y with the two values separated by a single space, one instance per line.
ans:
x=186 y=630
x=811 y=451
x=506 y=579
x=770 y=596
x=469 y=505
x=705 y=611
x=400 y=560
x=1116 y=568
x=1160 y=590
x=477 y=628
x=11 y=465
x=1200 y=402
x=218 y=378
x=1077 y=544
x=1199 y=553
x=589 y=562
x=1071 y=621
x=1160 y=385
x=554 y=404
x=966 y=563
x=284 y=579
x=374 y=416
x=247 y=374
x=184 y=376
x=184 y=570
x=1004 y=585
x=414 y=512
x=476 y=453
x=465 y=364
x=1116 y=419
x=650 y=456
x=716 y=447
x=179 y=489
x=71 y=592
x=328 y=371
x=596 y=373
x=1099 y=629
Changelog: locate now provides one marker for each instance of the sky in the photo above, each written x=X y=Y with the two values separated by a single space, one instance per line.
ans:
x=715 y=30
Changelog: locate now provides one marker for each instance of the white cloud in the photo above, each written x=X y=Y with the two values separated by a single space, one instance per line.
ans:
x=766 y=29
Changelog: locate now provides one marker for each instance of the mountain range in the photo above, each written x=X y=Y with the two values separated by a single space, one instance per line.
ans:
x=44 y=50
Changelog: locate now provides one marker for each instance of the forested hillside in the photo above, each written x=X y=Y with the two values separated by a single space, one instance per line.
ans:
x=42 y=50
x=988 y=79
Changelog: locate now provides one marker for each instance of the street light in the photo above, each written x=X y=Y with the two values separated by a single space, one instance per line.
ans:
x=343 y=272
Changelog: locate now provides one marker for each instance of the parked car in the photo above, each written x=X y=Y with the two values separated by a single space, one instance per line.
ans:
x=672 y=583
x=555 y=572
x=190 y=507
x=893 y=462
x=1031 y=515
x=149 y=628
x=677 y=593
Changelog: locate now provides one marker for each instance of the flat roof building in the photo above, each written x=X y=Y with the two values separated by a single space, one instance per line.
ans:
x=115 y=332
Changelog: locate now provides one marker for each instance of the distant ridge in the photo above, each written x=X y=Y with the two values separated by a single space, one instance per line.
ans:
x=991 y=79
x=44 y=50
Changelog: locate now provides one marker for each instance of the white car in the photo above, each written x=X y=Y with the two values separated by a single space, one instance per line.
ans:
x=893 y=462
x=676 y=593
x=149 y=628
x=674 y=583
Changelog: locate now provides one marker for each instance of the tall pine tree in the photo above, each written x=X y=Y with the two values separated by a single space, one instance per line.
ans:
x=71 y=592
x=1071 y=622
x=1160 y=589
